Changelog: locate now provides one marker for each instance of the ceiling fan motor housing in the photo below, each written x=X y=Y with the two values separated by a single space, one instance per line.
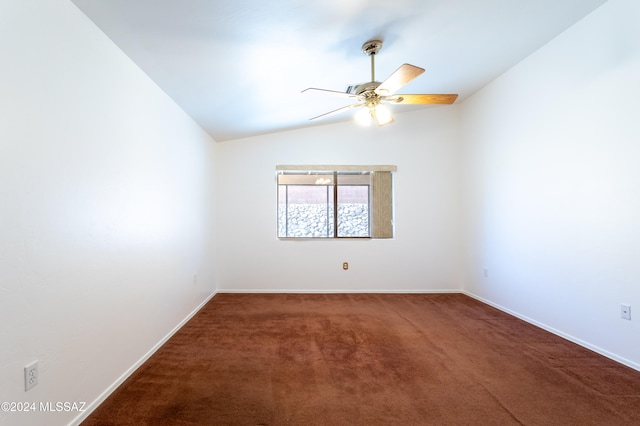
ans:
x=359 y=89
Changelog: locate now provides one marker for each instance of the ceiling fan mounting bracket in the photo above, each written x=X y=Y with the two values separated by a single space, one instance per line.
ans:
x=372 y=47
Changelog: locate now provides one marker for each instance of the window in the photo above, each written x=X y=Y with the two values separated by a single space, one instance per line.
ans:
x=335 y=201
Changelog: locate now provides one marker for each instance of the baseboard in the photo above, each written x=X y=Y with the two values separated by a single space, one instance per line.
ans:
x=95 y=404
x=566 y=336
x=359 y=291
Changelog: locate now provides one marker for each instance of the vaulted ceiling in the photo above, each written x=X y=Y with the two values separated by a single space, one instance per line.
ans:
x=238 y=66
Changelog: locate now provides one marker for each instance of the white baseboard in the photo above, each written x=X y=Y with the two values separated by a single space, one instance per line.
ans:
x=92 y=406
x=566 y=336
x=359 y=291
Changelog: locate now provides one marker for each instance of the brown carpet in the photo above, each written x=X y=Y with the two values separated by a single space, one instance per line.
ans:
x=369 y=359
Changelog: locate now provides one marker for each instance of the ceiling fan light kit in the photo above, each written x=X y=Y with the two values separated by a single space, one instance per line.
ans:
x=373 y=95
x=378 y=113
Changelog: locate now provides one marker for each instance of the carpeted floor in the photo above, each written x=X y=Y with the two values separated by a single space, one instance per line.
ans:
x=369 y=359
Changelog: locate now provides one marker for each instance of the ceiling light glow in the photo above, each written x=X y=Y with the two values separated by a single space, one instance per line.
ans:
x=363 y=117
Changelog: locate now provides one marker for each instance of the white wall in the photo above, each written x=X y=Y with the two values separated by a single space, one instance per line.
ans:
x=106 y=193
x=553 y=206
x=423 y=256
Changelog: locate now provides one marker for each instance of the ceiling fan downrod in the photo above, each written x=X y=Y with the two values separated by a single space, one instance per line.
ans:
x=371 y=49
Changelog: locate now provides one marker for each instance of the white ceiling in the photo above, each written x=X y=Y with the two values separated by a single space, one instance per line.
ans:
x=238 y=66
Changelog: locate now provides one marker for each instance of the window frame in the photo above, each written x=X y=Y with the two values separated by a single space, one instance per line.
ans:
x=380 y=197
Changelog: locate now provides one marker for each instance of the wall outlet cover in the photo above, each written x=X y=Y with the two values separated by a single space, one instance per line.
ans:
x=30 y=375
x=625 y=311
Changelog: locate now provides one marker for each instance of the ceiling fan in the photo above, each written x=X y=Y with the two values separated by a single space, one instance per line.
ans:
x=372 y=96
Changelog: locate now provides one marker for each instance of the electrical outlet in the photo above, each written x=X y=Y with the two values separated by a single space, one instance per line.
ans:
x=625 y=311
x=195 y=279
x=345 y=265
x=30 y=375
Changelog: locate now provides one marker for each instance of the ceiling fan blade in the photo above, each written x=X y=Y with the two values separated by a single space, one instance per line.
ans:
x=399 y=78
x=336 y=111
x=333 y=92
x=423 y=99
